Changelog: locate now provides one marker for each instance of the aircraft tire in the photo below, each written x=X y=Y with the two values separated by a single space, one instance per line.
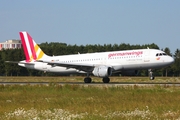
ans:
x=106 y=80
x=152 y=78
x=87 y=80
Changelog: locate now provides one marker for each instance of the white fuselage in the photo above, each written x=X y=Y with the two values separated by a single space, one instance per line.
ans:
x=118 y=60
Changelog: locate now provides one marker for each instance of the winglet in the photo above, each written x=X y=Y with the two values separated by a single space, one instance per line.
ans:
x=31 y=50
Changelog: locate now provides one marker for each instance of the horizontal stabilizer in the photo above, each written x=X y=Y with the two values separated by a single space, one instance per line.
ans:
x=20 y=62
x=11 y=61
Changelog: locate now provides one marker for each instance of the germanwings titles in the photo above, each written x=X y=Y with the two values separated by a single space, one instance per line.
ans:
x=101 y=64
x=125 y=53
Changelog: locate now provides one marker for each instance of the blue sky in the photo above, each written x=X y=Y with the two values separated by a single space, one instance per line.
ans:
x=84 y=22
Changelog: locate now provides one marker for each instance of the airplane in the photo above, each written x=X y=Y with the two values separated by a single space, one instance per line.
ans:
x=100 y=64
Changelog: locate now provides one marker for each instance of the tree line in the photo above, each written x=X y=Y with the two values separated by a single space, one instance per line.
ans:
x=56 y=48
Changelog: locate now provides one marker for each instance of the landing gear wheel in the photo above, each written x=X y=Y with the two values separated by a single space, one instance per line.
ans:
x=151 y=76
x=106 y=80
x=87 y=80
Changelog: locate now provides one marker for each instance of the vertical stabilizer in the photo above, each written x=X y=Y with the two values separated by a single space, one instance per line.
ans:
x=31 y=50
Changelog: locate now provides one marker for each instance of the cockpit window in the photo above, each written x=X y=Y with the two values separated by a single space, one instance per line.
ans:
x=164 y=54
x=161 y=54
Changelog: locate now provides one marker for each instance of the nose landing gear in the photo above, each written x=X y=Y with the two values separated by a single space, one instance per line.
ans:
x=151 y=76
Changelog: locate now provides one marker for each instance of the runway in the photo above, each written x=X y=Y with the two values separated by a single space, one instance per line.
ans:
x=111 y=84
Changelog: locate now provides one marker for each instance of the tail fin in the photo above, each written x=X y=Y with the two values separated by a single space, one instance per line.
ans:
x=31 y=50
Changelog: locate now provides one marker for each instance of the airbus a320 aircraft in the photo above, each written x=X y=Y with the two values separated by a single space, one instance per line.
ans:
x=101 y=64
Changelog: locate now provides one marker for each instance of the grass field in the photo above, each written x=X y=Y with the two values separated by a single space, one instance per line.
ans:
x=81 y=79
x=55 y=101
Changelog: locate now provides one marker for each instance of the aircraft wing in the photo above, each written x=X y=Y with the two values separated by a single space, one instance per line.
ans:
x=79 y=66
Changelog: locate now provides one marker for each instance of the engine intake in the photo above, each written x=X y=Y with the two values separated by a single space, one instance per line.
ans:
x=102 y=71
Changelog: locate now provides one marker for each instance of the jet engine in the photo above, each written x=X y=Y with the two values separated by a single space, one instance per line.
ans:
x=102 y=71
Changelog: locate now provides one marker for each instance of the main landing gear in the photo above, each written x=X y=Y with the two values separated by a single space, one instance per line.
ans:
x=151 y=76
x=105 y=80
x=89 y=80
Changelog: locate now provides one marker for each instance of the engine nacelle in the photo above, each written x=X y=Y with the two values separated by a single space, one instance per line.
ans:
x=102 y=71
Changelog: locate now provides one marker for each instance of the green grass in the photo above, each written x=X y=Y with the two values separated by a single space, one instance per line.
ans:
x=81 y=79
x=79 y=102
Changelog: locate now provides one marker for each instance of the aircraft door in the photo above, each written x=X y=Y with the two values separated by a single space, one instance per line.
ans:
x=105 y=60
x=147 y=56
x=44 y=66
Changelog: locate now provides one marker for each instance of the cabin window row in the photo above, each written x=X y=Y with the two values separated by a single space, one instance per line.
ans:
x=100 y=59
x=125 y=57
x=82 y=60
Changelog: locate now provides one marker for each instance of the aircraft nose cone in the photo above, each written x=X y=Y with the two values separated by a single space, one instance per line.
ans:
x=171 y=60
